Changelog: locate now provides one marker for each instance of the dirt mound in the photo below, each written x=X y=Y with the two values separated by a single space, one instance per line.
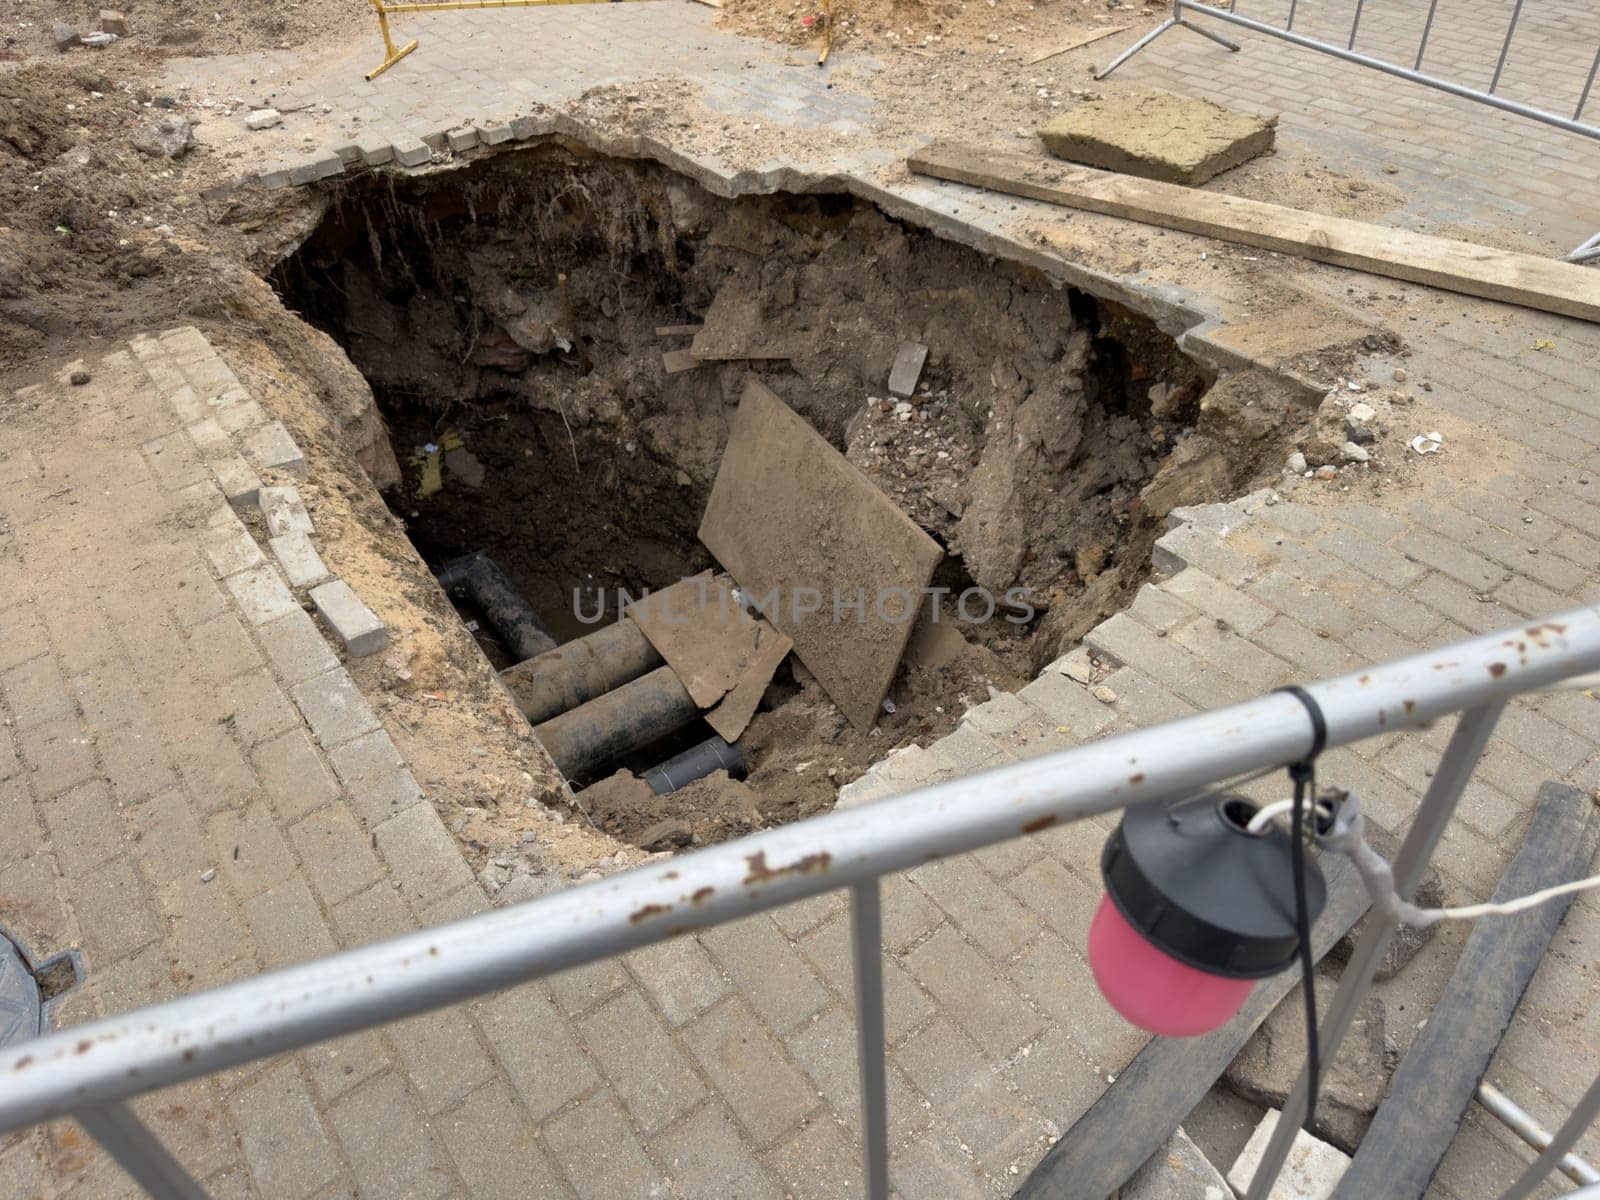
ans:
x=926 y=25
x=187 y=27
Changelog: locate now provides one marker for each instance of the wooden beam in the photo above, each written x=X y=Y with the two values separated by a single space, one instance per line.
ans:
x=1081 y=40
x=1430 y=1093
x=678 y=330
x=1160 y=1087
x=1525 y=279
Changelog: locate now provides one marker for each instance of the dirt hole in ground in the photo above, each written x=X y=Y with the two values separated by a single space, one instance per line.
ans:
x=506 y=315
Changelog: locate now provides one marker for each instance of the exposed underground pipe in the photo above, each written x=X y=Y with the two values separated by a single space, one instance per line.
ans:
x=713 y=754
x=625 y=719
x=508 y=614
x=573 y=674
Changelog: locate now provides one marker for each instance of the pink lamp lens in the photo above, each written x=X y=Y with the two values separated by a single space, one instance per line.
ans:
x=1150 y=989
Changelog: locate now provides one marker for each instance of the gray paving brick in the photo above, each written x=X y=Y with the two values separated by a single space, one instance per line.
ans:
x=335 y=709
x=1055 y=976
x=59 y=754
x=250 y=848
x=288 y=925
x=421 y=854
x=36 y=692
x=344 y=862
x=819 y=1160
x=261 y=595
x=21 y=834
x=905 y=1005
x=582 y=988
x=293 y=776
x=1386 y=565
x=1229 y=654
x=1125 y=641
x=1064 y=900
x=768 y=971
x=650 y=1076
x=599 y=1152
x=295 y=647
x=767 y=1093
x=167 y=839
x=85 y=830
x=1067 y=705
x=134 y=763
x=975 y=992
x=998 y=1125
x=22 y=636
x=495 y=1150
x=1312 y=655
x=223 y=649
x=938 y=1165
x=214 y=770
x=389 y=1144
x=283 y=1141
x=979 y=905
x=537 y=1048
x=115 y=914
x=825 y=1048
x=679 y=977
x=1307 y=603
x=1455 y=561
x=257 y=709
x=706 y=1160
x=1218 y=600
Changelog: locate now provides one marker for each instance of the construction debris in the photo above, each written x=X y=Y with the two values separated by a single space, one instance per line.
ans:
x=716 y=648
x=806 y=534
x=1311 y=1172
x=907 y=369
x=1177 y=1171
x=1157 y=135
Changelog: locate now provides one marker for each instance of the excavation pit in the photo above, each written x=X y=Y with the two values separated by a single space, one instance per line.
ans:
x=558 y=341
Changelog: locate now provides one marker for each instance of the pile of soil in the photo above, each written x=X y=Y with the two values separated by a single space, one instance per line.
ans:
x=926 y=25
x=184 y=27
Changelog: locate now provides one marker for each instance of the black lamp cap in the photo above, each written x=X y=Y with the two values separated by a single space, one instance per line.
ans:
x=1204 y=891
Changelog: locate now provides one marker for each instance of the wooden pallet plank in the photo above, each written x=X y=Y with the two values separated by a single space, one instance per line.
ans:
x=1525 y=279
x=1074 y=43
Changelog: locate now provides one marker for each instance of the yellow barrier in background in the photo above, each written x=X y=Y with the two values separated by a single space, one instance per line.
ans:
x=393 y=54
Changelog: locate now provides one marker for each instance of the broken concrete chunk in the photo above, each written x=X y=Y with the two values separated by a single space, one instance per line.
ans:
x=165 y=137
x=65 y=36
x=112 y=21
x=1177 y=1171
x=1311 y=1172
x=263 y=118
x=1158 y=136
x=1266 y=1069
x=907 y=369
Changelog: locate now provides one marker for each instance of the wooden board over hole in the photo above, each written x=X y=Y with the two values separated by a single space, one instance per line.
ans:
x=798 y=526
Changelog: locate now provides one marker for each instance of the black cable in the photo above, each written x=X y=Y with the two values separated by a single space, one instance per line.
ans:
x=1304 y=774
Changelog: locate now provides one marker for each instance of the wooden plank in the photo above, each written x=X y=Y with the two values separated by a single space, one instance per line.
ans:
x=1540 y=283
x=1440 y=1075
x=1082 y=40
x=678 y=330
x=803 y=532
x=1136 y=1115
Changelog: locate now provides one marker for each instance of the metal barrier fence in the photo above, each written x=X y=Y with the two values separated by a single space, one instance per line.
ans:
x=89 y=1072
x=1286 y=32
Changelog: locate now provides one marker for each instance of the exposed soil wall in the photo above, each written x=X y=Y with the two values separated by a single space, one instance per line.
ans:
x=507 y=317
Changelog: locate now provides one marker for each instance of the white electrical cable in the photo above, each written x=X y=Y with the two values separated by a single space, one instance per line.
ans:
x=1347 y=838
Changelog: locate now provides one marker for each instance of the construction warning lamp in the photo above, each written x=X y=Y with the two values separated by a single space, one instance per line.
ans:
x=1197 y=908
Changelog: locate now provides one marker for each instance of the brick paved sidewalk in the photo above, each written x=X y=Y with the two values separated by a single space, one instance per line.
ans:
x=722 y=1065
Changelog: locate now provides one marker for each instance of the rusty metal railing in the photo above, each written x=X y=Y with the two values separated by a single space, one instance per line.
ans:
x=90 y=1071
